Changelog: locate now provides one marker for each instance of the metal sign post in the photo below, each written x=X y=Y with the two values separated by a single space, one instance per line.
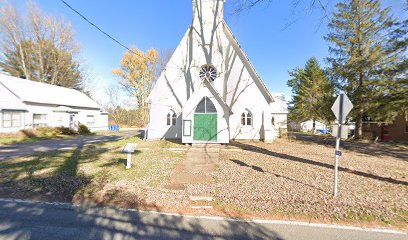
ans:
x=341 y=108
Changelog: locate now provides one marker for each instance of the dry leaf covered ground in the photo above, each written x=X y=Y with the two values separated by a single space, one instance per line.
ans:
x=294 y=178
x=288 y=178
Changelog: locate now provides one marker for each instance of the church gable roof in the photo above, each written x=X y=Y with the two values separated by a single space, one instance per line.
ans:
x=250 y=68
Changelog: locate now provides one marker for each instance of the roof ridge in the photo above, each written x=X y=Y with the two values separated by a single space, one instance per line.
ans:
x=29 y=91
x=249 y=62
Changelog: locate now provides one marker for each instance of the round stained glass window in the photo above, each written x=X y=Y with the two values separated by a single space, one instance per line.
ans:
x=208 y=73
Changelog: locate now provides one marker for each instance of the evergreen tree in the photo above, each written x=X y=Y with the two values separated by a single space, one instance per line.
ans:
x=39 y=47
x=359 y=36
x=313 y=93
x=391 y=99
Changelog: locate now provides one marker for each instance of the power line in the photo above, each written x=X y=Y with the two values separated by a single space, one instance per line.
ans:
x=105 y=33
x=94 y=25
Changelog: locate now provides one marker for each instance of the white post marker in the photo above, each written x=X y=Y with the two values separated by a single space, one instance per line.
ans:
x=129 y=149
x=341 y=108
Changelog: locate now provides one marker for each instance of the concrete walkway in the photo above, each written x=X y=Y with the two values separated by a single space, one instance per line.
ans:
x=197 y=168
x=38 y=147
x=29 y=220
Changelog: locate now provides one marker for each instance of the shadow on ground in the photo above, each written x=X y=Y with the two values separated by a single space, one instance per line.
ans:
x=373 y=149
x=45 y=221
x=39 y=147
x=261 y=170
x=52 y=176
x=284 y=156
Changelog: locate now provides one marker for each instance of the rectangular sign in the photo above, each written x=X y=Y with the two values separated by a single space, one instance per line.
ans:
x=130 y=148
x=344 y=131
x=187 y=128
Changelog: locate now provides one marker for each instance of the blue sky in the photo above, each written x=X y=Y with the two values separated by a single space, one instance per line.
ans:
x=272 y=48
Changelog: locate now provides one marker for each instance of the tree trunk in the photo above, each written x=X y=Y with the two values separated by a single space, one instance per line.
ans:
x=359 y=127
x=314 y=126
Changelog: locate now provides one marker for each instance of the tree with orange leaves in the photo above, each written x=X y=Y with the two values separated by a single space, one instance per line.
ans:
x=138 y=72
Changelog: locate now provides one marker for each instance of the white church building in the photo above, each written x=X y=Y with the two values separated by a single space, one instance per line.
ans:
x=209 y=91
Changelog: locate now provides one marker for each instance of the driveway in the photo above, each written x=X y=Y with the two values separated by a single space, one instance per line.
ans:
x=33 y=148
x=28 y=220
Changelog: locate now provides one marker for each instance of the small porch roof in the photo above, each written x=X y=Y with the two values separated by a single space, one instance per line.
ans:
x=65 y=109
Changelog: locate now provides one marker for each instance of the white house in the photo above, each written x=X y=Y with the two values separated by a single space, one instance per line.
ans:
x=307 y=126
x=27 y=104
x=209 y=91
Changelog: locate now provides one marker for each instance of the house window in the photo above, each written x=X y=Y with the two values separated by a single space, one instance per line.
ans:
x=11 y=119
x=246 y=118
x=171 y=119
x=39 y=120
x=90 y=120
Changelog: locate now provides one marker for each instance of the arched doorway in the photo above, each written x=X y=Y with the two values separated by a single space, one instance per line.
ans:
x=205 y=121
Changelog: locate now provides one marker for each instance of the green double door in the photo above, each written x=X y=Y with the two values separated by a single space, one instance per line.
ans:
x=205 y=127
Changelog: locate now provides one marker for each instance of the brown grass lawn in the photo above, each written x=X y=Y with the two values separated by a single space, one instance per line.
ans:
x=31 y=135
x=291 y=178
x=94 y=173
x=287 y=179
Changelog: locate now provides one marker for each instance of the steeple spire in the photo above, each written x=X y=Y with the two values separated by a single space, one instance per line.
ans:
x=207 y=13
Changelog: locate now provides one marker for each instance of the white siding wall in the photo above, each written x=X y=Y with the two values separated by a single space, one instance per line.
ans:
x=308 y=126
x=58 y=119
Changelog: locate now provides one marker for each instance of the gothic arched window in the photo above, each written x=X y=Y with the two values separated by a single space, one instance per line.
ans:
x=168 y=119
x=174 y=119
x=243 y=119
x=206 y=106
x=171 y=119
x=246 y=118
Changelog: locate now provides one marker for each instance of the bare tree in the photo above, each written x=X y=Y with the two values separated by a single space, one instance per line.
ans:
x=243 y=5
x=38 y=47
x=164 y=57
x=307 y=6
x=113 y=105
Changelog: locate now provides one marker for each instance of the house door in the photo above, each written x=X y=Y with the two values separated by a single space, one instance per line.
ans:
x=72 y=122
x=205 y=121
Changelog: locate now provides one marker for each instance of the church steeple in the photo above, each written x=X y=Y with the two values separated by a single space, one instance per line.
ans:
x=207 y=14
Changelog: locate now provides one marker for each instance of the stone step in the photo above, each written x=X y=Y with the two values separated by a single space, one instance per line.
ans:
x=203 y=145
x=201 y=207
x=201 y=198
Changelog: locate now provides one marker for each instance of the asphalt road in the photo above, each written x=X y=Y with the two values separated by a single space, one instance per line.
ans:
x=33 y=148
x=28 y=220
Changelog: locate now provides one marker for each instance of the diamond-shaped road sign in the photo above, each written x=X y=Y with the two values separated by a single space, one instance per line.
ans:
x=342 y=107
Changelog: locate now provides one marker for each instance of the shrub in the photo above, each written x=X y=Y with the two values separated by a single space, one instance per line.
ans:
x=65 y=131
x=83 y=130
x=46 y=132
